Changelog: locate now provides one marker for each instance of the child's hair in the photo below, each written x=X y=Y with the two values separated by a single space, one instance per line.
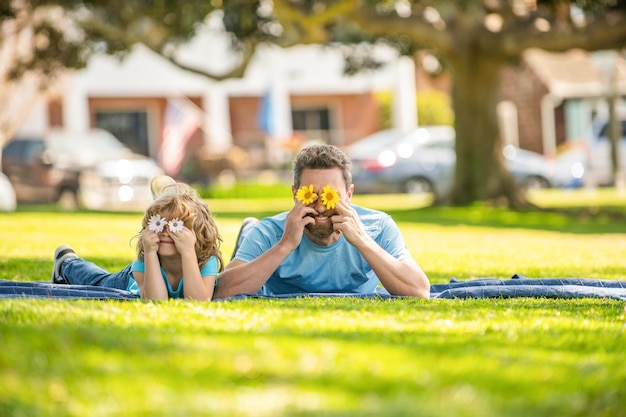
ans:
x=195 y=215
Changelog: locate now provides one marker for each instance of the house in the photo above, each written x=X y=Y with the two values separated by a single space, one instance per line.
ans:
x=287 y=97
x=553 y=97
x=293 y=96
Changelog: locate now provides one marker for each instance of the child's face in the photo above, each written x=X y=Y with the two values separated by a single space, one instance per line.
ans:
x=166 y=224
x=167 y=246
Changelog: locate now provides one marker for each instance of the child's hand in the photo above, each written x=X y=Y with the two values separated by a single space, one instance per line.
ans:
x=185 y=240
x=150 y=241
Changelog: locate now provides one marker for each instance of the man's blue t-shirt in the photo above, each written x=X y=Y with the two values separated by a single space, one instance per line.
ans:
x=209 y=269
x=311 y=268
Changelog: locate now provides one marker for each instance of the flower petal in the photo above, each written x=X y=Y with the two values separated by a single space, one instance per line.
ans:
x=306 y=194
x=330 y=197
x=175 y=225
x=156 y=223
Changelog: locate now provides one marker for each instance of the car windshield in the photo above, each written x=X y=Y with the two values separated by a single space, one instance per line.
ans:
x=376 y=141
x=396 y=139
x=88 y=147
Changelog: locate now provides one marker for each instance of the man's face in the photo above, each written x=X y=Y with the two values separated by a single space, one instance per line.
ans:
x=323 y=226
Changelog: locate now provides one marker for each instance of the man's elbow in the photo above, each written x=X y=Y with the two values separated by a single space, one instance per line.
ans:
x=221 y=291
x=423 y=293
x=418 y=292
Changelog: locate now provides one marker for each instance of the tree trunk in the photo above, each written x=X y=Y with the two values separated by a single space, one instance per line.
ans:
x=480 y=171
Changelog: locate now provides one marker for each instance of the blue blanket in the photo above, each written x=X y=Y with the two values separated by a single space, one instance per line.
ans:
x=520 y=286
x=517 y=286
x=46 y=289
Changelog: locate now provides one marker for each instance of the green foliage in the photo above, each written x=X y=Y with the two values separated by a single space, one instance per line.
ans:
x=434 y=108
x=252 y=190
x=384 y=99
x=328 y=356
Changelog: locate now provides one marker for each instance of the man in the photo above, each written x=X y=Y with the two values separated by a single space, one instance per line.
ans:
x=315 y=248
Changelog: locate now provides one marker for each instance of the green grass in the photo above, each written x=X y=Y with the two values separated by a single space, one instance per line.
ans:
x=328 y=357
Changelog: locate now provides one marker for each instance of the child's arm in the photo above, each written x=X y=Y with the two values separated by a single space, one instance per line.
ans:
x=150 y=282
x=197 y=287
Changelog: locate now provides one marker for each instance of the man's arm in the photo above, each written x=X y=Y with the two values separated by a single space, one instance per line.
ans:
x=400 y=277
x=241 y=277
x=248 y=277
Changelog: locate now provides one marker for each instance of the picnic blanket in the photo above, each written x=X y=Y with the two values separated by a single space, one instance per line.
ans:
x=521 y=286
x=46 y=289
x=516 y=286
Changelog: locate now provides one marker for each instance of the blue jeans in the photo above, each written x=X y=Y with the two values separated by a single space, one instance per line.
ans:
x=78 y=271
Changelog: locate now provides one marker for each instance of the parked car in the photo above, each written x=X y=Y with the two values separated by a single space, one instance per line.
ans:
x=424 y=160
x=93 y=169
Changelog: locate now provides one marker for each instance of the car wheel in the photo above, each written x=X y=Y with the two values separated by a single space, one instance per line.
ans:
x=68 y=200
x=418 y=186
x=536 y=183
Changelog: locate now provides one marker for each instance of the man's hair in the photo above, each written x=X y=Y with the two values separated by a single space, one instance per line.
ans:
x=322 y=157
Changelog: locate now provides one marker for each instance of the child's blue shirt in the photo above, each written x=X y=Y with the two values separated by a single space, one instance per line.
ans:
x=209 y=269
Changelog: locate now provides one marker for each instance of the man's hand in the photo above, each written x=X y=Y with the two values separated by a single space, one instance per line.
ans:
x=296 y=221
x=347 y=221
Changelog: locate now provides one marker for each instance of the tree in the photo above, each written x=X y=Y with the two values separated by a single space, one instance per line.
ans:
x=474 y=39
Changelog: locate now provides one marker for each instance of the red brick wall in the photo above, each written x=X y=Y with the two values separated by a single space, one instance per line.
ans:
x=351 y=117
x=243 y=121
x=522 y=87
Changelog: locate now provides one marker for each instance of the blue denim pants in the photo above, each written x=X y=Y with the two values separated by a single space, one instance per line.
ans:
x=78 y=271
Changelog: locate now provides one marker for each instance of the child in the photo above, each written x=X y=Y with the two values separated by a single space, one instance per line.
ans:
x=178 y=253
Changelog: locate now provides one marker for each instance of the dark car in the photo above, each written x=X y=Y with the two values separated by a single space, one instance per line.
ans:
x=92 y=168
x=423 y=161
x=35 y=177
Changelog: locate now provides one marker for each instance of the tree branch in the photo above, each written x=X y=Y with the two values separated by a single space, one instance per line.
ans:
x=159 y=46
x=248 y=50
x=414 y=27
x=310 y=27
x=606 y=32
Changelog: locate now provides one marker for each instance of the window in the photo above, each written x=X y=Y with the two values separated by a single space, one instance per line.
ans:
x=130 y=127
x=314 y=123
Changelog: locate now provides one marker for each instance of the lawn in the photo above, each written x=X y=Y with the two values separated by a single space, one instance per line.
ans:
x=329 y=357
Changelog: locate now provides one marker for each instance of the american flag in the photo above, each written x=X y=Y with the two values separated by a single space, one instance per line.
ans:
x=181 y=121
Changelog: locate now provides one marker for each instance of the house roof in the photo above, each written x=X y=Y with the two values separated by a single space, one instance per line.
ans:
x=577 y=73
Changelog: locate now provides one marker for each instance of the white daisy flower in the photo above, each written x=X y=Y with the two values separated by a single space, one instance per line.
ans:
x=157 y=223
x=175 y=225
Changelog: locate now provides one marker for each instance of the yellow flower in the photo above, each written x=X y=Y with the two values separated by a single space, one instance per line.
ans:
x=306 y=194
x=330 y=197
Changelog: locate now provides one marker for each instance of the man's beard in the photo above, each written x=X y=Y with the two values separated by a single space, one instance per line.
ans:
x=320 y=230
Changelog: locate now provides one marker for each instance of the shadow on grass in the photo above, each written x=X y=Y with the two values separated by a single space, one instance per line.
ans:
x=579 y=220
x=570 y=220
